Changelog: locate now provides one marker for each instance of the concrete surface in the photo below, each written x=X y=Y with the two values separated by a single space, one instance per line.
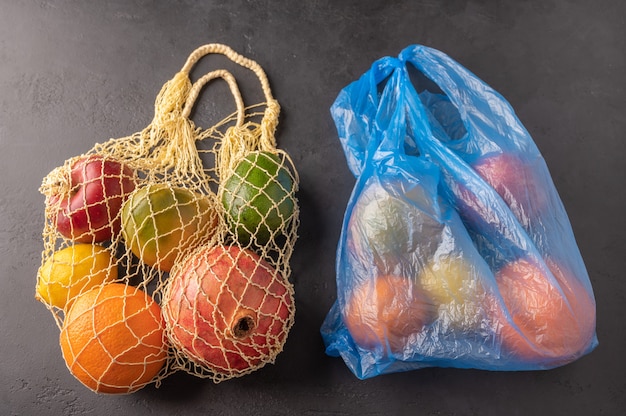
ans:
x=75 y=73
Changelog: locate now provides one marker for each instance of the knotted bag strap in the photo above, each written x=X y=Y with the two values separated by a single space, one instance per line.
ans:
x=247 y=136
x=272 y=111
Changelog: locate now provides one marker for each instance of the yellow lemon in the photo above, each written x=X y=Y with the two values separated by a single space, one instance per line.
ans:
x=72 y=270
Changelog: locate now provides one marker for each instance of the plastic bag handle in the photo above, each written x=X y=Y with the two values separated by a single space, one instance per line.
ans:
x=482 y=109
x=390 y=120
x=354 y=112
x=379 y=71
x=455 y=170
x=485 y=114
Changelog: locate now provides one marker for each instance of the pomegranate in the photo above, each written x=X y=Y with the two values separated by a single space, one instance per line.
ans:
x=228 y=311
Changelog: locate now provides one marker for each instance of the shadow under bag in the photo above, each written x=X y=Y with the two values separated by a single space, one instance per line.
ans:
x=455 y=249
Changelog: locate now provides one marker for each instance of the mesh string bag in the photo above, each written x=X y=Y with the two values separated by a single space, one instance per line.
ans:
x=229 y=305
x=130 y=211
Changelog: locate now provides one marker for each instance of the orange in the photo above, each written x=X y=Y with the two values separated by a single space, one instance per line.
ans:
x=386 y=311
x=550 y=321
x=112 y=339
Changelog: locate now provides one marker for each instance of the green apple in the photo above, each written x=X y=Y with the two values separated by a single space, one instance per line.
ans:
x=390 y=230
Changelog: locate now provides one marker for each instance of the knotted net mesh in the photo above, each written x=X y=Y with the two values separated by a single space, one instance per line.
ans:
x=205 y=231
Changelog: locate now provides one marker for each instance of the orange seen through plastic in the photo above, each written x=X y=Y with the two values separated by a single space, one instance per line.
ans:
x=386 y=311
x=112 y=339
x=551 y=323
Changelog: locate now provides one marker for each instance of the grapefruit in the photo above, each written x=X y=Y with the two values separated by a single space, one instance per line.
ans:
x=551 y=320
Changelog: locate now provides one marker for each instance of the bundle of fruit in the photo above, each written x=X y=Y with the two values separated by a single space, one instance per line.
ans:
x=159 y=256
x=456 y=250
x=419 y=287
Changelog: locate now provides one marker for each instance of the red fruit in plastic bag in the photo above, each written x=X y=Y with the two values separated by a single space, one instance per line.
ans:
x=228 y=310
x=386 y=311
x=549 y=323
x=515 y=181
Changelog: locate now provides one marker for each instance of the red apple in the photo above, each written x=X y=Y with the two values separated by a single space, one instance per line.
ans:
x=227 y=310
x=552 y=320
x=516 y=182
x=85 y=204
x=386 y=311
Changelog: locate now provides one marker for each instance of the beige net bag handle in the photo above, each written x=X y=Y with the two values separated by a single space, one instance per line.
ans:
x=244 y=136
x=197 y=86
x=270 y=118
x=168 y=143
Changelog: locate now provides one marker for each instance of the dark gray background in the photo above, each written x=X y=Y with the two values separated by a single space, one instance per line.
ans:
x=74 y=73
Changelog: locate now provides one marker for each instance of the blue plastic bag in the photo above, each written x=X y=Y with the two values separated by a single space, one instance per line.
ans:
x=455 y=249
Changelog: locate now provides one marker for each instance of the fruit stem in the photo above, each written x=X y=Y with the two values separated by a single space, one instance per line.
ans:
x=243 y=324
x=57 y=182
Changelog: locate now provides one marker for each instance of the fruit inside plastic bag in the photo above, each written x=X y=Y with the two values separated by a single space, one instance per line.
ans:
x=455 y=249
